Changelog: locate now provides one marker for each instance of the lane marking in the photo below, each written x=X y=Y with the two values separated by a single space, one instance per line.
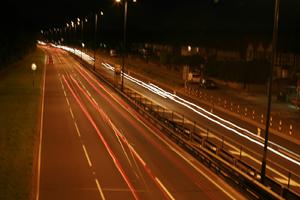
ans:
x=77 y=129
x=87 y=155
x=95 y=101
x=99 y=189
x=71 y=113
x=199 y=171
x=218 y=186
x=41 y=134
x=65 y=93
x=103 y=115
x=88 y=93
x=164 y=188
x=119 y=135
x=68 y=101
x=109 y=150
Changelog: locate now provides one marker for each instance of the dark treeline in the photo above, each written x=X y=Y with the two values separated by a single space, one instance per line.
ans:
x=14 y=46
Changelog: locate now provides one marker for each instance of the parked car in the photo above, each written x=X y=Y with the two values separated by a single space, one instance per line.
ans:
x=208 y=84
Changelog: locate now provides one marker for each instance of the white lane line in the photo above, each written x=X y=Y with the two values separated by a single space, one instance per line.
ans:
x=99 y=189
x=202 y=173
x=41 y=135
x=77 y=129
x=68 y=101
x=88 y=93
x=94 y=101
x=65 y=93
x=165 y=142
x=87 y=155
x=229 y=195
x=164 y=188
x=71 y=113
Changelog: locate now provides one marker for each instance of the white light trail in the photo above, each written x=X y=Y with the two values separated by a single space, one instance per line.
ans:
x=197 y=109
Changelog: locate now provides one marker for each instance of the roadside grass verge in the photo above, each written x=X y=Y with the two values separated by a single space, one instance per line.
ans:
x=19 y=108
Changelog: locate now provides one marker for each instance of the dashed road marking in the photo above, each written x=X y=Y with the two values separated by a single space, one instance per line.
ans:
x=71 y=113
x=87 y=155
x=164 y=188
x=77 y=129
x=99 y=189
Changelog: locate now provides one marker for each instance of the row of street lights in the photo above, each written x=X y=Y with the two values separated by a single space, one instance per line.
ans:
x=76 y=23
x=125 y=4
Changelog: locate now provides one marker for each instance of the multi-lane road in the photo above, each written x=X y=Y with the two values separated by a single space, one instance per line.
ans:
x=241 y=137
x=94 y=146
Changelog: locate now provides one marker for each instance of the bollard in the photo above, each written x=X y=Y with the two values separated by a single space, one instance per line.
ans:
x=291 y=129
x=271 y=121
x=258 y=131
x=225 y=103
x=280 y=125
x=246 y=111
x=238 y=109
x=262 y=118
x=231 y=105
x=253 y=113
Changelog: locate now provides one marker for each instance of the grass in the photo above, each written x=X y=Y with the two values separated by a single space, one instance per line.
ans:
x=19 y=107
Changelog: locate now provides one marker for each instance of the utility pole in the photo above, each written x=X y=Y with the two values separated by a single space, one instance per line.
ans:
x=124 y=43
x=95 y=42
x=274 y=56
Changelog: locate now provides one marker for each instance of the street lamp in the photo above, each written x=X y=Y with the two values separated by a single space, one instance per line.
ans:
x=274 y=55
x=95 y=36
x=124 y=39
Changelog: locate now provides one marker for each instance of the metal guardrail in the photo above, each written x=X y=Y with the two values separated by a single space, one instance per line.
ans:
x=231 y=168
x=210 y=154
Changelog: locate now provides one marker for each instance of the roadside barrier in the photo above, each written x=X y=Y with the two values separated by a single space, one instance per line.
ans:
x=214 y=156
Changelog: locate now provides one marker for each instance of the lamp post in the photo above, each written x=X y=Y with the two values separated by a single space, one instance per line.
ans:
x=274 y=55
x=33 y=68
x=95 y=37
x=124 y=40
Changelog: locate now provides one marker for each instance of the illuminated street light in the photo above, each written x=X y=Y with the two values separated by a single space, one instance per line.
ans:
x=33 y=68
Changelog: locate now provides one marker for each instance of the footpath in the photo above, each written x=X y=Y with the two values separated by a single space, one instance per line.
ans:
x=248 y=106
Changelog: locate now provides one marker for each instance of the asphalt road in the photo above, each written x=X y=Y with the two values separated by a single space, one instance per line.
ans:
x=94 y=146
x=278 y=167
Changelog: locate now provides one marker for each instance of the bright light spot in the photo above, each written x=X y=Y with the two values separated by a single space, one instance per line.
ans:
x=275 y=148
x=41 y=42
x=33 y=66
x=118 y=1
x=189 y=48
x=101 y=13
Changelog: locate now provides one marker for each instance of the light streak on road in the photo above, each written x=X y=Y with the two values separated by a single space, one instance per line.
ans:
x=159 y=91
x=199 y=110
x=119 y=135
x=109 y=150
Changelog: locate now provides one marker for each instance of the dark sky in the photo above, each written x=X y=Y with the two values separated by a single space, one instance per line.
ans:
x=185 y=18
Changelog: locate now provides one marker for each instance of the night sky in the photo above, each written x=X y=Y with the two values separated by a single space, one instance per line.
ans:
x=184 y=20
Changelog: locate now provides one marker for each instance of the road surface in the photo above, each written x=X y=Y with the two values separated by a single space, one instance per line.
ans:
x=94 y=146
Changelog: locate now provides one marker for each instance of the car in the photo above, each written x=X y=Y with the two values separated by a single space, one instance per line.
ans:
x=208 y=84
